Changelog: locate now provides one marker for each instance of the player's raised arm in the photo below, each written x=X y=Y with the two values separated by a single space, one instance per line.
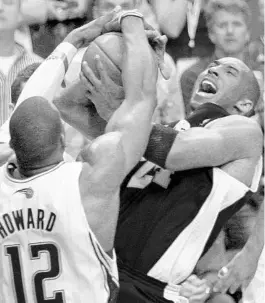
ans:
x=133 y=117
x=128 y=129
x=111 y=156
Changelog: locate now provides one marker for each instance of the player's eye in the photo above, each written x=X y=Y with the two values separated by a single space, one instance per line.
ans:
x=231 y=71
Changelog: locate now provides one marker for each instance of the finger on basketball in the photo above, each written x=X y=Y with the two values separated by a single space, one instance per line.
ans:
x=86 y=82
x=100 y=68
x=112 y=26
x=89 y=74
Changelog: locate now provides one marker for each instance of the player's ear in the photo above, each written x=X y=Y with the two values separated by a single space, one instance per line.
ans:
x=245 y=107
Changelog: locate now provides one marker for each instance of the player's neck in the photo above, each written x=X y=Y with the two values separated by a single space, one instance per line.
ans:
x=220 y=54
x=25 y=174
x=7 y=43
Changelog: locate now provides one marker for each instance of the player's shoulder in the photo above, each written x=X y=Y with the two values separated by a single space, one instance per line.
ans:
x=236 y=121
x=100 y=148
x=243 y=129
x=103 y=164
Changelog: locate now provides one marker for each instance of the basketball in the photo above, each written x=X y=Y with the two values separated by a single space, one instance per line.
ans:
x=110 y=48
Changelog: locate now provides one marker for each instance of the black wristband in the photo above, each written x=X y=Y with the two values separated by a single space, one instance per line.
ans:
x=160 y=143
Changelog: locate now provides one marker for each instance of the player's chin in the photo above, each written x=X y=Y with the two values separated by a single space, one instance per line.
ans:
x=200 y=98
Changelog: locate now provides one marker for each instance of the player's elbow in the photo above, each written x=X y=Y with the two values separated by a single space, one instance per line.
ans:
x=255 y=141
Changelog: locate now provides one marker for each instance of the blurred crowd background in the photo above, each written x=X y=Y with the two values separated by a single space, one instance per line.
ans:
x=236 y=29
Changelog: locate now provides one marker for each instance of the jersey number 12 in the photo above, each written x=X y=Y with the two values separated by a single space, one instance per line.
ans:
x=35 y=252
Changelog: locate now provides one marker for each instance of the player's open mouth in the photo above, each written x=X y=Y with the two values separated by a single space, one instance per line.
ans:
x=207 y=88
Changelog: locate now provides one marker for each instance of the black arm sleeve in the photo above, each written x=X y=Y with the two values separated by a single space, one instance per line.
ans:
x=160 y=143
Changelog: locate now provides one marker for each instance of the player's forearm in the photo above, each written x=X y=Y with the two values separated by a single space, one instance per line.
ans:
x=47 y=79
x=138 y=63
x=136 y=60
x=133 y=117
x=255 y=241
x=200 y=147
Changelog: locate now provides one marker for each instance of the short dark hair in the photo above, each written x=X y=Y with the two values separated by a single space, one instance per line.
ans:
x=21 y=78
x=35 y=131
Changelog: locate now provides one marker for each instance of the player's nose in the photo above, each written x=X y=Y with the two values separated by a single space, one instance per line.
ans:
x=213 y=71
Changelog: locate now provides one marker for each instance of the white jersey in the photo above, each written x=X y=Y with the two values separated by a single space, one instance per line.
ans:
x=48 y=253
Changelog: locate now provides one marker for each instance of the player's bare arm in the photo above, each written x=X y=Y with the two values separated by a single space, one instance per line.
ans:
x=111 y=156
x=223 y=140
x=241 y=269
x=227 y=139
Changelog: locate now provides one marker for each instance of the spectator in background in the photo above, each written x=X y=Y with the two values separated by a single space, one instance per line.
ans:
x=256 y=51
x=19 y=83
x=73 y=140
x=35 y=12
x=167 y=16
x=13 y=57
x=228 y=23
x=17 y=86
x=52 y=20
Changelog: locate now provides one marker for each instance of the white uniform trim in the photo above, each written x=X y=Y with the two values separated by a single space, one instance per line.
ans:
x=180 y=259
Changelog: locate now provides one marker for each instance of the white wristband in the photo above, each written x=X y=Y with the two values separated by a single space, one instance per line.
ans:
x=64 y=51
x=134 y=13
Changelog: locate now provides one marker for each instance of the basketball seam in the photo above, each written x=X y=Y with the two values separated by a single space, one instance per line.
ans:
x=107 y=56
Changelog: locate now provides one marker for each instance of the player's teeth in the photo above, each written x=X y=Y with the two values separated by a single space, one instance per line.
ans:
x=206 y=82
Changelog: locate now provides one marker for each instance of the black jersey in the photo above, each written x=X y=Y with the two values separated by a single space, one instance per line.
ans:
x=153 y=214
x=157 y=210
